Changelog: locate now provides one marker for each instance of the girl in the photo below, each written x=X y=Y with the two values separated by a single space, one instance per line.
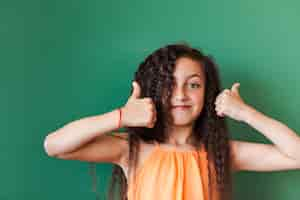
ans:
x=176 y=143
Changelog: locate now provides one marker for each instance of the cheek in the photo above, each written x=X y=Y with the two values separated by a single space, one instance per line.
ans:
x=198 y=98
x=198 y=101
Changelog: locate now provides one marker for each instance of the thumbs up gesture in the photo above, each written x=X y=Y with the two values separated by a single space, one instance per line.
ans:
x=229 y=103
x=138 y=112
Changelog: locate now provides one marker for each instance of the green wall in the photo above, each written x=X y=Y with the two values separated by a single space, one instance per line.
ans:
x=64 y=60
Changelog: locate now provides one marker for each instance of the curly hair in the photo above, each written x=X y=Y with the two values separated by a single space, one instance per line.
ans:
x=155 y=77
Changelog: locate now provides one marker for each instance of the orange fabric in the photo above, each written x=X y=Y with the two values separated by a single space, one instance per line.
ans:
x=171 y=175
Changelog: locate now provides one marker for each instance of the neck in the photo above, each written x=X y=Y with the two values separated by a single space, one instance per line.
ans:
x=180 y=135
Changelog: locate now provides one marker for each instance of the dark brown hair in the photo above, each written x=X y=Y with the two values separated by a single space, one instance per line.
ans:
x=155 y=77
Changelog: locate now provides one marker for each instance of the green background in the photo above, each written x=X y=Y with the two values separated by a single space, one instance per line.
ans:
x=64 y=60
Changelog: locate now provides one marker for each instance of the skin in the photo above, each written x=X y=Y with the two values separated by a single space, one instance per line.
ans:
x=189 y=90
x=85 y=139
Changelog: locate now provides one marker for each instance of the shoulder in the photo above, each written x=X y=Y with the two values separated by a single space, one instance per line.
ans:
x=144 y=147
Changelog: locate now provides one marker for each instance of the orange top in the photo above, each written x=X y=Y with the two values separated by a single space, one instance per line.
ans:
x=171 y=174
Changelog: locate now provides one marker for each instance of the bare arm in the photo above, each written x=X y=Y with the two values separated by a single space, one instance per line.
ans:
x=86 y=139
x=77 y=133
x=285 y=139
x=250 y=156
x=105 y=148
x=283 y=154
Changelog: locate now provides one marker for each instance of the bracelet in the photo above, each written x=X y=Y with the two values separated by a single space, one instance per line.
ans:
x=120 y=117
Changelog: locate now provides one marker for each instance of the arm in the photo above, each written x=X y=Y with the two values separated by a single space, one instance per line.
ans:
x=282 y=154
x=85 y=139
x=249 y=156
x=80 y=132
x=105 y=148
x=285 y=140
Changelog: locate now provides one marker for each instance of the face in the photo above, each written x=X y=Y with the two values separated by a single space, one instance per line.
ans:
x=188 y=94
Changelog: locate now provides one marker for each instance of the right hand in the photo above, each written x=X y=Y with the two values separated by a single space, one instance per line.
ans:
x=138 y=112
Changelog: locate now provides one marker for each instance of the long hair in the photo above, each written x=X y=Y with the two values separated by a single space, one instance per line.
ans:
x=155 y=77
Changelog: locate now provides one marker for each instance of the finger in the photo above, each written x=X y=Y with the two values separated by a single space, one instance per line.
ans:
x=235 y=88
x=217 y=110
x=154 y=117
x=226 y=91
x=217 y=104
x=155 y=113
x=153 y=108
x=136 y=90
x=153 y=122
x=223 y=94
x=220 y=100
x=151 y=125
x=220 y=114
x=149 y=100
x=217 y=107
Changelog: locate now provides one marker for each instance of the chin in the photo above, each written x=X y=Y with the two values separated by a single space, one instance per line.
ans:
x=182 y=122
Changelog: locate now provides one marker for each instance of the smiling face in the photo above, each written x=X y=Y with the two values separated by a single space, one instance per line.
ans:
x=188 y=94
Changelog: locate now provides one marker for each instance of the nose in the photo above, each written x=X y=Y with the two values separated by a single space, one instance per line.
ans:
x=180 y=94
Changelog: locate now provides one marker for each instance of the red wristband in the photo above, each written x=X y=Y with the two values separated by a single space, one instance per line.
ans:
x=120 y=117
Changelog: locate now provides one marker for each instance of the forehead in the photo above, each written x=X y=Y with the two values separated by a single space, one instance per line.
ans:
x=186 y=66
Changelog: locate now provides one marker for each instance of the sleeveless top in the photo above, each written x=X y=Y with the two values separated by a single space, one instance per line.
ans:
x=171 y=174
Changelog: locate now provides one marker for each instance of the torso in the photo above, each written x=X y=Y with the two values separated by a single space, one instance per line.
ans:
x=145 y=151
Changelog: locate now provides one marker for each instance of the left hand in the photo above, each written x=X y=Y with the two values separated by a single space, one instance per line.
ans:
x=229 y=103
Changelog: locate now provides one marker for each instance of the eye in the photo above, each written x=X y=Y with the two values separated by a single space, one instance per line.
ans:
x=195 y=85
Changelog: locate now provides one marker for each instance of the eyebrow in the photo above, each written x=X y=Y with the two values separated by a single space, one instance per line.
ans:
x=194 y=75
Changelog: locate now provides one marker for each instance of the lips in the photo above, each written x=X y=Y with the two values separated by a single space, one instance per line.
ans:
x=181 y=106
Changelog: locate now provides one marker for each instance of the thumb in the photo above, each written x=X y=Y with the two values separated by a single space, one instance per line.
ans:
x=235 y=88
x=136 y=90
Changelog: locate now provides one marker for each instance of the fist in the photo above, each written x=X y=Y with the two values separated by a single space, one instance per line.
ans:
x=229 y=103
x=138 y=112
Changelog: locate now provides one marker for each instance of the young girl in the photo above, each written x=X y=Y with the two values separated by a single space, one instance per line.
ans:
x=176 y=143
